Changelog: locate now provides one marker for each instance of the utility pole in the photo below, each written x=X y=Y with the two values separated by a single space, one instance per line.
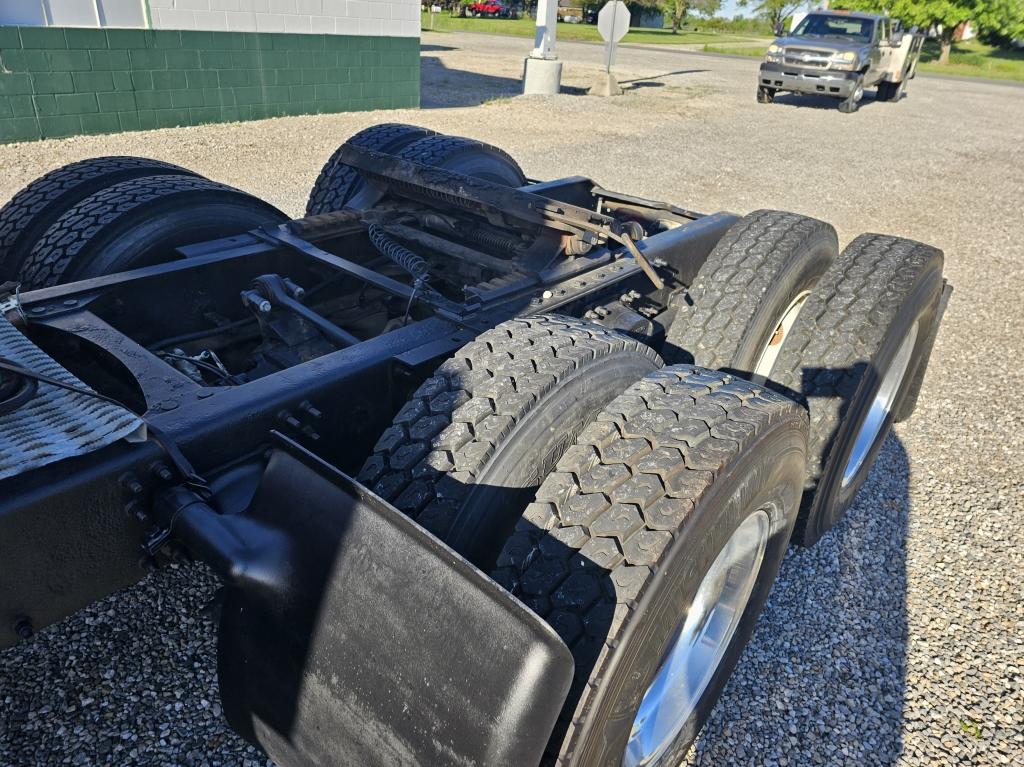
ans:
x=542 y=72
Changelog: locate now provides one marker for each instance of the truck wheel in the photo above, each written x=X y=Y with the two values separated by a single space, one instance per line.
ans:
x=749 y=292
x=138 y=223
x=468 y=157
x=851 y=358
x=466 y=452
x=852 y=102
x=651 y=550
x=337 y=181
x=765 y=95
x=33 y=210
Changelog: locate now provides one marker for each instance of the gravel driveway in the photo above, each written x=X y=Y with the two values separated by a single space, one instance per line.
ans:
x=899 y=639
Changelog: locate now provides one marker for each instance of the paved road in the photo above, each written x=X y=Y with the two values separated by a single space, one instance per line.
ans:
x=898 y=639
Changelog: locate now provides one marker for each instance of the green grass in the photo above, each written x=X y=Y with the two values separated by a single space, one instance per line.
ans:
x=755 y=51
x=526 y=27
x=969 y=59
x=975 y=59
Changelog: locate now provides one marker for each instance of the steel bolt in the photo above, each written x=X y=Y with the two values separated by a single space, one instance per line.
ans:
x=23 y=627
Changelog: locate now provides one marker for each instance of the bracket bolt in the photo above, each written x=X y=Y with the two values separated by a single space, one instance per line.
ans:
x=23 y=627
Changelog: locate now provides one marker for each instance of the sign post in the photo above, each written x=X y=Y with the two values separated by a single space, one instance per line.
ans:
x=613 y=24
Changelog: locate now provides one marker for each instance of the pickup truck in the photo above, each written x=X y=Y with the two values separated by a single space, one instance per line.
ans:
x=839 y=54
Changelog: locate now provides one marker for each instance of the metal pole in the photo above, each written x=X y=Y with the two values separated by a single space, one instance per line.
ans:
x=547 y=22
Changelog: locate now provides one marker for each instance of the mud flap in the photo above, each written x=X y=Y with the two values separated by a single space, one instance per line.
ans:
x=382 y=646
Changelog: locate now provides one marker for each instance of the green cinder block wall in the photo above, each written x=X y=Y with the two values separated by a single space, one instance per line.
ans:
x=57 y=81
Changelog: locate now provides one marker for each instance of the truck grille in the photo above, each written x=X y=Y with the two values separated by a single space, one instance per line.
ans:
x=802 y=57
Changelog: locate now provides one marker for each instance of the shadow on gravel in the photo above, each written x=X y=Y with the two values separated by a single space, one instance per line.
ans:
x=823 y=680
x=818 y=102
x=647 y=82
x=442 y=87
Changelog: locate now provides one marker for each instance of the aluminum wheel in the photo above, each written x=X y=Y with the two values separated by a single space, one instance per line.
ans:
x=766 y=361
x=699 y=643
x=878 y=413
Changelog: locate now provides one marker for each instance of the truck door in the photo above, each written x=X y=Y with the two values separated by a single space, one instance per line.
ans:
x=881 y=52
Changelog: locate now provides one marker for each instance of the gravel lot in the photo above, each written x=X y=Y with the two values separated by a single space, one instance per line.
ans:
x=899 y=639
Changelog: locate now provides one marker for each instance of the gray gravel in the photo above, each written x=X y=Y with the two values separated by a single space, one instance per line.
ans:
x=898 y=639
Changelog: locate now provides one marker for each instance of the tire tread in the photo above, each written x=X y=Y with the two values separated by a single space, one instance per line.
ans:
x=614 y=502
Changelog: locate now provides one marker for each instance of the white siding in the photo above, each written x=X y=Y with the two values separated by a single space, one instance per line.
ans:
x=395 y=18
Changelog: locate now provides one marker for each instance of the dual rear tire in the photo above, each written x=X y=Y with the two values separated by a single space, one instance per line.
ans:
x=643 y=506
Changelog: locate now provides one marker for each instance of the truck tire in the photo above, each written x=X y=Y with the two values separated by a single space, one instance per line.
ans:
x=852 y=102
x=32 y=211
x=765 y=95
x=138 y=223
x=466 y=452
x=750 y=290
x=850 y=358
x=468 y=157
x=688 y=475
x=338 y=182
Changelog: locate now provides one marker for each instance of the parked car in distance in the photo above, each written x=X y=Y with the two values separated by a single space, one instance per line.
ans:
x=840 y=54
x=493 y=10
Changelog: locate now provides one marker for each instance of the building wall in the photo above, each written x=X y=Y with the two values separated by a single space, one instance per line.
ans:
x=198 y=61
x=395 y=18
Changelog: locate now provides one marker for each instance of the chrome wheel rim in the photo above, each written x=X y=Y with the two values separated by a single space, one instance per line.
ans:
x=699 y=643
x=770 y=353
x=878 y=414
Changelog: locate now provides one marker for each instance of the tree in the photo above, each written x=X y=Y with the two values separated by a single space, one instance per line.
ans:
x=676 y=12
x=774 y=11
x=706 y=8
x=1004 y=18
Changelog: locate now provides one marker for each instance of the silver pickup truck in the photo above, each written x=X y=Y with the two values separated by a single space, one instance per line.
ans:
x=839 y=54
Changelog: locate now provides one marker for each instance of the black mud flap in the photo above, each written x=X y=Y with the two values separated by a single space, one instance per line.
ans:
x=384 y=646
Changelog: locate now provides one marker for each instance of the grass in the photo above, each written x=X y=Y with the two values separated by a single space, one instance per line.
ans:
x=967 y=59
x=975 y=59
x=755 y=51
x=526 y=27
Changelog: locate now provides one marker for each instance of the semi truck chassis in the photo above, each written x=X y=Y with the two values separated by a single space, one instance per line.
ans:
x=299 y=407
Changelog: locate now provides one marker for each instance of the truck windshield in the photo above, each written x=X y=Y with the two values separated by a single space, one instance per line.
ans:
x=844 y=27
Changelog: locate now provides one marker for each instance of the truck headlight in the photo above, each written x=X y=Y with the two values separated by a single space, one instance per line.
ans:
x=847 y=60
x=774 y=53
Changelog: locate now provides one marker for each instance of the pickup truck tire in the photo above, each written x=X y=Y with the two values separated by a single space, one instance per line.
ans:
x=34 y=209
x=338 y=182
x=765 y=95
x=851 y=358
x=747 y=294
x=615 y=550
x=138 y=223
x=465 y=454
x=852 y=103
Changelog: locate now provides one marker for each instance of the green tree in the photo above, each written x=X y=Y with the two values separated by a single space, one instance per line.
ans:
x=706 y=8
x=1004 y=18
x=676 y=12
x=774 y=11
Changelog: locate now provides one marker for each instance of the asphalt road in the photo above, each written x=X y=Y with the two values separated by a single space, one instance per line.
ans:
x=899 y=639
